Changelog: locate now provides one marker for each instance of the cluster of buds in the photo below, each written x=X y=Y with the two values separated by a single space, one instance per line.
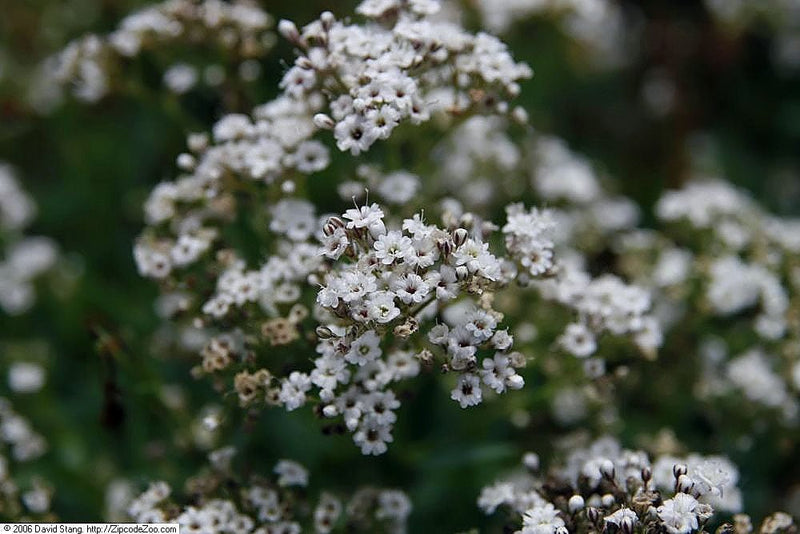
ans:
x=604 y=487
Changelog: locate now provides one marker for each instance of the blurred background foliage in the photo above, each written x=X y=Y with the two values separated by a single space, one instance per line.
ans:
x=724 y=107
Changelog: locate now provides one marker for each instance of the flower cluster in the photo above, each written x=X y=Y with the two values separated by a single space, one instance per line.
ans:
x=395 y=281
x=24 y=258
x=89 y=65
x=598 y=26
x=734 y=265
x=269 y=505
x=603 y=304
x=402 y=66
x=185 y=213
x=20 y=443
x=603 y=486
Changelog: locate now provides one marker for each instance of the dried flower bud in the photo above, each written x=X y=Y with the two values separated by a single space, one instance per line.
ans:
x=424 y=356
x=778 y=522
x=742 y=524
x=517 y=360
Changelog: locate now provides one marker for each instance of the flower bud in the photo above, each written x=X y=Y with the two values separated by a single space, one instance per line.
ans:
x=520 y=115
x=445 y=246
x=288 y=29
x=684 y=484
x=323 y=122
x=678 y=470
x=607 y=469
x=186 y=161
x=330 y=411
x=460 y=236
x=515 y=382
x=288 y=187
x=626 y=525
x=323 y=332
x=377 y=229
x=304 y=63
x=197 y=142
x=531 y=461
x=647 y=474
x=575 y=504
x=327 y=18
x=328 y=229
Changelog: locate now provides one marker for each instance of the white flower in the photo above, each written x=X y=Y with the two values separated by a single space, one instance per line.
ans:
x=26 y=377
x=578 y=340
x=382 y=121
x=293 y=218
x=355 y=134
x=381 y=307
x=502 y=340
x=291 y=473
x=398 y=187
x=498 y=374
x=310 y=157
x=712 y=475
x=495 y=495
x=293 y=390
x=357 y=285
x=678 y=514
x=364 y=349
x=468 y=391
x=372 y=437
x=393 y=504
x=542 y=519
x=393 y=247
x=180 y=78
x=411 y=288
x=480 y=324
x=329 y=371
x=370 y=217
